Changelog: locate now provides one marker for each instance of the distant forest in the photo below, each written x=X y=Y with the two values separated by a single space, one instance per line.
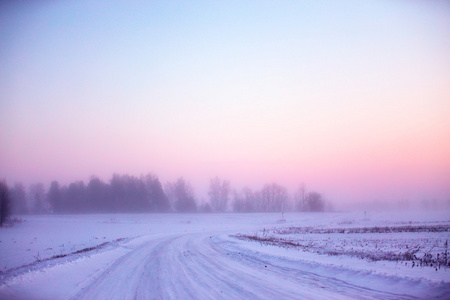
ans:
x=125 y=193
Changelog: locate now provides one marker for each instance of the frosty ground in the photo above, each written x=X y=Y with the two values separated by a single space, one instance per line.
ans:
x=227 y=256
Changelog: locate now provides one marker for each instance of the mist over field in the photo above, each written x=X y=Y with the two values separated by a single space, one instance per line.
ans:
x=224 y=150
x=351 y=100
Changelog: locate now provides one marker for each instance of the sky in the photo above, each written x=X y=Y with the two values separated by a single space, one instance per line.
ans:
x=351 y=98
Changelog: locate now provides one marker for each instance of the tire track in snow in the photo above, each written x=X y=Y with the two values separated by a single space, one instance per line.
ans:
x=196 y=266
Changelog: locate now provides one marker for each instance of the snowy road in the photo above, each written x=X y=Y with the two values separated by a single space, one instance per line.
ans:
x=199 y=266
x=193 y=257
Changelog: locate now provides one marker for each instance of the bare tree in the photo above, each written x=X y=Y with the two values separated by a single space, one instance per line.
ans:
x=257 y=201
x=274 y=198
x=205 y=208
x=54 y=196
x=75 y=197
x=238 y=202
x=184 y=196
x=300 y=198
x=156 y=196
x=37 y=193
x=96 y=197
x=18 y=199
x=169 y=190
x=5 y=203
x=315 y=202
x=219 y=194
x=245 y=200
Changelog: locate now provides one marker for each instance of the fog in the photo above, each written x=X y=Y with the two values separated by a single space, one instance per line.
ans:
x=146 y=194
x=224 y=149
x=350 y=101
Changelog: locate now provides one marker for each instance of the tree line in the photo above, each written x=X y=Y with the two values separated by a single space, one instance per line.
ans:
x=125 y=193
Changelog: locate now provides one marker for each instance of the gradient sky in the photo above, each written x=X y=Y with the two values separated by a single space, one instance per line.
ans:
x=350 y=97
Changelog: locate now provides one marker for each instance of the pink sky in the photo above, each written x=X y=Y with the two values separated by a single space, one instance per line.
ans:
x=352 y=101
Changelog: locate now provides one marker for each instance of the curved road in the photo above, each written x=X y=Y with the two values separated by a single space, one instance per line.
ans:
x=198 y=266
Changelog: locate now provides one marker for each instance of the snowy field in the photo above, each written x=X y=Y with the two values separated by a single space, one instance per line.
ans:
x=227 y=256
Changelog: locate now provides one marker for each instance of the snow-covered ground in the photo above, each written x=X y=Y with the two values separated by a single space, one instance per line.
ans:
x=226 y=256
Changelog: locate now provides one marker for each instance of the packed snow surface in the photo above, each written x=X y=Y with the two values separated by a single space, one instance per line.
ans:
x=227 y=256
